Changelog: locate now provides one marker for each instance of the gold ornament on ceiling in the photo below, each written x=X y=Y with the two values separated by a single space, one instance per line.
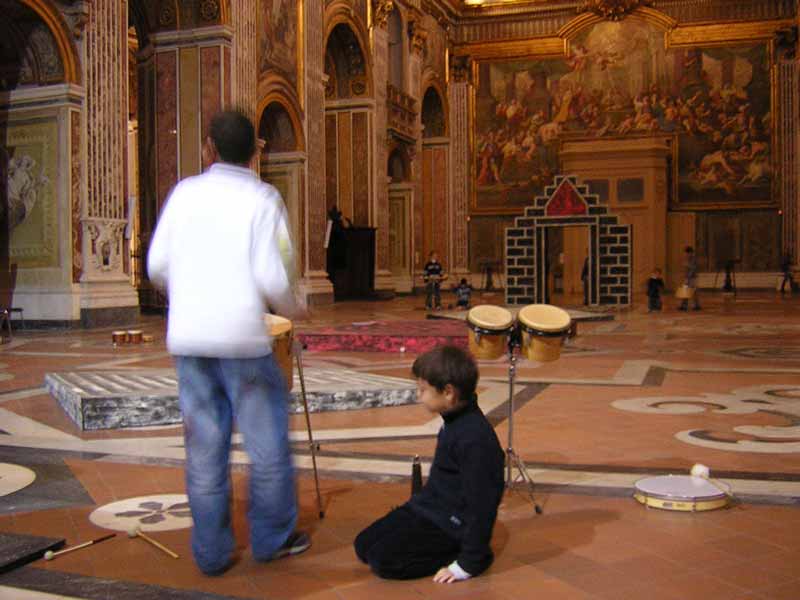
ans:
x=613 y=10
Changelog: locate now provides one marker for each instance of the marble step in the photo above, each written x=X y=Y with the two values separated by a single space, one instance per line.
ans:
x=118 y=399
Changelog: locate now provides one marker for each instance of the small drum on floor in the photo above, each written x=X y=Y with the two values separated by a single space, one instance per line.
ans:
x=134 y=336
x=280 y=329
x=544 y=328
x=680 y=492
x=119 y=337
x=489 y=328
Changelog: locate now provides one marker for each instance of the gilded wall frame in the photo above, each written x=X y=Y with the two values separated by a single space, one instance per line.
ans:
x=701 y=36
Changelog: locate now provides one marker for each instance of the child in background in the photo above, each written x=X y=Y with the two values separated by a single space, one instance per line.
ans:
x=655 y=285
x=434 y=274
x=463 y=293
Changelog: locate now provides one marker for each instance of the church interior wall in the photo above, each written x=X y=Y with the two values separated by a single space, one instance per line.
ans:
x=739 y=57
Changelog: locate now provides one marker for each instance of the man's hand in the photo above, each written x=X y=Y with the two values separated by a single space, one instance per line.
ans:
x=445 y=575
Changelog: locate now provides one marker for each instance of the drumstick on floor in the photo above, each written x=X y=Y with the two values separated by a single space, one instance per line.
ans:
x=50 y=555
x=136 y=532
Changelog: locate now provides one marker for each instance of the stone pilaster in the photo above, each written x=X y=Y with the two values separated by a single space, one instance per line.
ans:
x=380 y=209
x=106 y=293
x=459 y=92
x=244 y=84
x=315 y=281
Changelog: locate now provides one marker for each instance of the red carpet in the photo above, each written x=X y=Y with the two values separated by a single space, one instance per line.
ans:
x=387 y=336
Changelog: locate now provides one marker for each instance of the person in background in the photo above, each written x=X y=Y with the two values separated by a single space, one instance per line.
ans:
x=786 y=267
x=434 y=274
x=655 y=285
x=463 y=293
x=690 y=278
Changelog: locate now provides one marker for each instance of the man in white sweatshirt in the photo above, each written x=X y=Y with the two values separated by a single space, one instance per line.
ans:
x=223 y=252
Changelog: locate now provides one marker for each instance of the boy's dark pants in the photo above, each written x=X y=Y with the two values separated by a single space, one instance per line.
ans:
x=433 y=295
x=403 y=545
x=654 y=303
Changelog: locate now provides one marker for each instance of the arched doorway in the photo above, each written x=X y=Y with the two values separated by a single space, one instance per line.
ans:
x=401 y=198
x=40 y=160
x=435 y=234
x=283 y=160
x=349 y=115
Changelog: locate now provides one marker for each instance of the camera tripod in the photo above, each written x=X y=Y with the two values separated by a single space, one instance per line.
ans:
x=513 y=459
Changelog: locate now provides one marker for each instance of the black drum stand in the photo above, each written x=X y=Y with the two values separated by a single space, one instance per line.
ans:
x=513 y=460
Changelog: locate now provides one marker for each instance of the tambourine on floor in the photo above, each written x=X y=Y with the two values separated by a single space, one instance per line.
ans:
x=685 y=493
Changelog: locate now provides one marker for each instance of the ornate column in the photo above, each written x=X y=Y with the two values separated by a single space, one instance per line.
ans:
x=459 y=98
x=416 y=37
x=380 y=204
x=317 y=287
x=244 y=85
x=106 y=295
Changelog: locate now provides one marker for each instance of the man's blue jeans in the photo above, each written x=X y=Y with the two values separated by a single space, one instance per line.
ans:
x=213 y=392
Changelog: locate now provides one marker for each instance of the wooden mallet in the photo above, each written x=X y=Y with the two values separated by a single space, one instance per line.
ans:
x=50 y=555
x=135 y=531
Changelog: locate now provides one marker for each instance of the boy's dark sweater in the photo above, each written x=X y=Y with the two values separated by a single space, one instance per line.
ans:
x=654 y=287
x=433 y=269
x=465 y=485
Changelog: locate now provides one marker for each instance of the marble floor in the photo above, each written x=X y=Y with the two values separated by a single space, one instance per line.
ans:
x=639 y=396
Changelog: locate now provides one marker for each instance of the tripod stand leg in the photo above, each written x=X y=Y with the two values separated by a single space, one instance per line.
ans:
x=298 y=350
x=519 y=464
x=512 y=460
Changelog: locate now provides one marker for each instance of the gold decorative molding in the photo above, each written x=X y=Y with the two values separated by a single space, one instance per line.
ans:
x=380 y=12
x=418 y=36
x=725 y=33
x=576 y=25
x=613 y=10
x=533 y=47
x=460 y=69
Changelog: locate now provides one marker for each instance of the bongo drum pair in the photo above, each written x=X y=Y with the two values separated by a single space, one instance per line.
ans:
x=280 y=329
x=131 y=336
x=542 y=327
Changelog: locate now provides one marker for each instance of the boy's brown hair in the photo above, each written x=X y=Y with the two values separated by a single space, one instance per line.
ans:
x=449 y=365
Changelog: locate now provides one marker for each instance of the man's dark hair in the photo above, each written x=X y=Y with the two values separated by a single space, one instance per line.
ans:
x=449 y=365
x=234 y=137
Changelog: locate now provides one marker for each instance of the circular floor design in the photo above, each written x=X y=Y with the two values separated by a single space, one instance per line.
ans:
x=14 y=477
x=150 y=513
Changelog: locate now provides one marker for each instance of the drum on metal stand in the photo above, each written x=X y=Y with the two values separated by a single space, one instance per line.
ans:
x=489 y=328
x=544 y=328
x=280 y=329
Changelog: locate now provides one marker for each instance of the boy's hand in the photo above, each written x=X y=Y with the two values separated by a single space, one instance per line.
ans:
x=445 y=575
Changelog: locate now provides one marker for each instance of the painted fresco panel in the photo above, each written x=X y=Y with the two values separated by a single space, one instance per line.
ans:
x=30 y=150
x=618 y=80
x=278 y=38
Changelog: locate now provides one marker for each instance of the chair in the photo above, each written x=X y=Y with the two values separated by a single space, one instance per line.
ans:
x=8 y=281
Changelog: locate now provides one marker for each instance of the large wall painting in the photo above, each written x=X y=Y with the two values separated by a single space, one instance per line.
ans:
x=619 y=79
x=29 y=153
x=280 y=29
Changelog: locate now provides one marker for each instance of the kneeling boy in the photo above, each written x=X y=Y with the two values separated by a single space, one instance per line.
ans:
x=445 y=529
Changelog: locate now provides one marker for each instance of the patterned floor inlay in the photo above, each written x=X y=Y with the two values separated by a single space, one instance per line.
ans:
x=69 y=585
x=776 y=400
x=41 y=479
x=163 y=512
x=112 y=400
x=18 y=550
x=14 y=477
